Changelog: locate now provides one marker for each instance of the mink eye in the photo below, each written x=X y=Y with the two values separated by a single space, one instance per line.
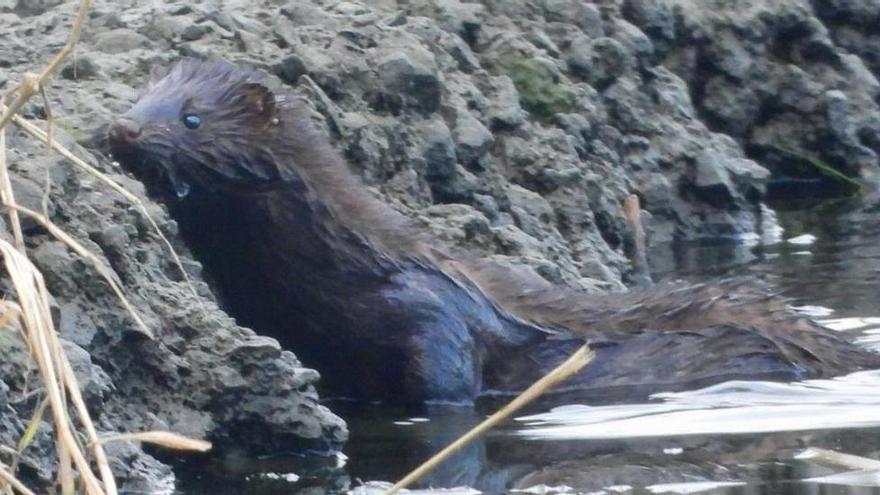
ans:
x=192 y=121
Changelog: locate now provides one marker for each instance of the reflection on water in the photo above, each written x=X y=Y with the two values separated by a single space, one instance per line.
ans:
x=733 y=438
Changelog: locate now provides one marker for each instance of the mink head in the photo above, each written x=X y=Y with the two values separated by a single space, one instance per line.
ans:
x=202 y=124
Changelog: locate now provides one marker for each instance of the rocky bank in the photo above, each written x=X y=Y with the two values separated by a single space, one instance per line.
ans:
x=512 y=127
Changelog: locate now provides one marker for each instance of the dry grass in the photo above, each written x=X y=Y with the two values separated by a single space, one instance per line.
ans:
x=96 y=262
x=77 y=443
x=59 y=381
x=12 y=482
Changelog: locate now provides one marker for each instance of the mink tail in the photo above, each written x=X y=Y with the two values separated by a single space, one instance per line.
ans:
x=672 y=333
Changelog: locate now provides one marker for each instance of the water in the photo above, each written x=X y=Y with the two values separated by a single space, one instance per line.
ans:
x=732 y=438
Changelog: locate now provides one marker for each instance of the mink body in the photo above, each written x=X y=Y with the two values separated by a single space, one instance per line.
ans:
x=298 y=249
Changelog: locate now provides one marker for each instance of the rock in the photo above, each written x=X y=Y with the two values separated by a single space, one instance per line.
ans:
x=120 y=40
x=580 y=57
x=609 y=60
x=93 y=381
x=849 y=11
x=36 y=7
x=459 y=224
x=636 y=42
x=15 y=367
x=467 y=61
x=81 y=67
x=513 y=241
x=672 y=95
x=562 y=10
x=454 y=16
x=460 y=188
x=837 y=114
x=505 y=111
x=30 y=195
x=748 y=170
x=194 y=32
x=541 y=40
x=590 y=20
x=531 y=212
x=137 y=472
x=712 y=181
x=487 y=205
x=472 y=139
x=656 y=18
x=762 y=77
x=438 y=152
x=410 y=79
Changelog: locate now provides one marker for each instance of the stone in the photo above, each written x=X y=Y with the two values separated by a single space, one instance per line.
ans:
x=531 y=211
x=655 y=17
x=609 y=60
x=637 y=43
x=120 y=40
x=410 y=79
x=712 y=181
x=580 y=57
x=462 y=53
x=504 y=111
x=590 y=20
x=472 y=139
x=194 y=32
x=459 y=224
x=93 y=381
x=81 y=67
x=438 y=151
x=838 y=114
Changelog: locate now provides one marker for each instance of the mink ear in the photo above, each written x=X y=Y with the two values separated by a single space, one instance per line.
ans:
x=259 y=100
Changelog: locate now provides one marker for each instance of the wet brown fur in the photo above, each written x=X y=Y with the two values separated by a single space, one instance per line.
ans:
x=274 y=132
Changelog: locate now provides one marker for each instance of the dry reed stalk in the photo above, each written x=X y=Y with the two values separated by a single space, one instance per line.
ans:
x=86 y=420
x=32 y=83
x=6 y=194
x=11 y=313
x=165 y=439
x=6 y=488
x=572 y=365
x=13 y=482
x=105 y=272
x=46 y=352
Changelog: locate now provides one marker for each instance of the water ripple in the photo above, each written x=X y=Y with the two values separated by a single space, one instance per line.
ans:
x=735 y=407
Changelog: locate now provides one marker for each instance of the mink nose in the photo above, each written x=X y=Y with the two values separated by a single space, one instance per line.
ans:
x=125 y=131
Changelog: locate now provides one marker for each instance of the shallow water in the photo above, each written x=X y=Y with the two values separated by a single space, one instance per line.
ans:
x=734 y=438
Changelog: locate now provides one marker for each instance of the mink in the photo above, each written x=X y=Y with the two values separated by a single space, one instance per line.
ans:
x=298 y=248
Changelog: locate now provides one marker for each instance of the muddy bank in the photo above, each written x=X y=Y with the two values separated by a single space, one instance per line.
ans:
x=513 y=127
